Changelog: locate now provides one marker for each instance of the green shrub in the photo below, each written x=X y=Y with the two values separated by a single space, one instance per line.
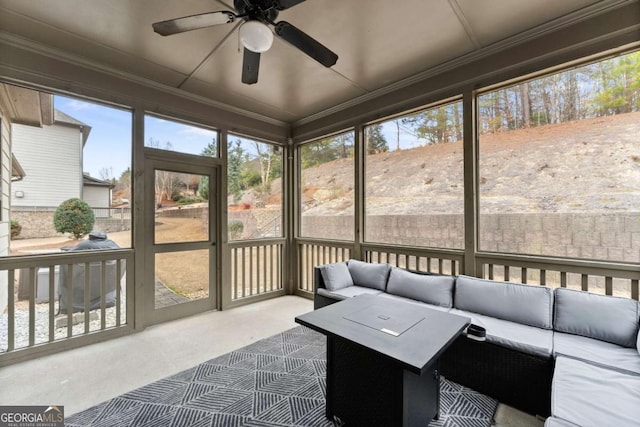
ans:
x=189 y=201
x=16 y=228
x=236 y=227
x=74 y=216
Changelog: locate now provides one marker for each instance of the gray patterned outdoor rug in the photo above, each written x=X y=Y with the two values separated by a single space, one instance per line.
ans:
x=278 y=381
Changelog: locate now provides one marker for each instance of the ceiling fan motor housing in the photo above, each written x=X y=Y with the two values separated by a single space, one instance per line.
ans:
x=262 y=10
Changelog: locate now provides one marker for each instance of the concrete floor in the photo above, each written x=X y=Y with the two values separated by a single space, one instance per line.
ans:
x=83 y=377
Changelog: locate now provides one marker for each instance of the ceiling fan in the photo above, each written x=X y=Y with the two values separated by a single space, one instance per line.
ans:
x=255 y=35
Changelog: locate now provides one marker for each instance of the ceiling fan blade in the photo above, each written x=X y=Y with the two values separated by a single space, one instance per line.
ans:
x=250 y=67
x=286 y=4
x=306 y=43
x=193 y=22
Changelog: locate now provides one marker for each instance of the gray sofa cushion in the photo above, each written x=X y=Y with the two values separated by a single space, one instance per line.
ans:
x=557 y=422
x=348 y=292
x=602 y=317
x=368 y=274
x=336 y=276
x=590 y=395
x=436 y=290
x=526 y=304
x=523 y=338
x=413 y=301
x=596 y=351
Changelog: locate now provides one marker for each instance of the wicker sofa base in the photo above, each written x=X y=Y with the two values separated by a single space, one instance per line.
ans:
x=512 y=377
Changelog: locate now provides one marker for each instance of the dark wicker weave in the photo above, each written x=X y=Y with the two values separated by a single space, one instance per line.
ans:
x=367 y=389
x=320 y=301
x=512 y=377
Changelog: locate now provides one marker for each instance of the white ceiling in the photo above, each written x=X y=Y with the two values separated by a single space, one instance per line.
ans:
x=379 y=42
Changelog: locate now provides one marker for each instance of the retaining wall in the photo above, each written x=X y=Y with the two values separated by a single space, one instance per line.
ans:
x=607 y=236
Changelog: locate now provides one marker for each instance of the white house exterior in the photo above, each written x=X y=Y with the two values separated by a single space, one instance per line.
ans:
x=51 y=157
x=98 y=194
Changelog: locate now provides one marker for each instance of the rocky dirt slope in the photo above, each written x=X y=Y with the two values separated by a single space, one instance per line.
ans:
x=589 y=165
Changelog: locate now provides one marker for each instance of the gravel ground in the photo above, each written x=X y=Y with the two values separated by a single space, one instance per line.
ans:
x=42 y=324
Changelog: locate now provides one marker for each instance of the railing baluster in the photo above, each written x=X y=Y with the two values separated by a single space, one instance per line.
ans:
x=118 y=291
x=563 y=279
x=266 y=269
x=251 y=256
x=271 y=268
x=52 y=302
x=279 y=250
x=634 y=289
x=585 y=282
x=70 y=302
x=439 y=265
x=103 y=295
x=490 y=268
x=524 y=275
x=11 y=311
x=543 y=277
x=309 y=269
x=608 y=285
x=243 y=260
x=32 y=306
x=234 y=272
x=87 y=294
x=506 y=273
x=256 y=271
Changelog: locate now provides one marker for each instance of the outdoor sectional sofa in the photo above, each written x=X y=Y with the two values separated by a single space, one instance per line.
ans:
x=568 y=355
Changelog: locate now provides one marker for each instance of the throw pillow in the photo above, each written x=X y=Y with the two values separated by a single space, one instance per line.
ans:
x=369 y=275
x=336 y=276
x=432 y=289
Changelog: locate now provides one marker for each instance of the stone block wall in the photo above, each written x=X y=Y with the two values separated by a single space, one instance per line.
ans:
x=606 y=236
x=39 y=224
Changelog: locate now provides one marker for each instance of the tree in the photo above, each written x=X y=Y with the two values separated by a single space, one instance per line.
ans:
x=376 y=142
x=437 y=125
x=74 y=216
x=326 y=150
x=211 y=150
x=123 y=183
x=268 y=154
x=106 y=174
x=235 y=154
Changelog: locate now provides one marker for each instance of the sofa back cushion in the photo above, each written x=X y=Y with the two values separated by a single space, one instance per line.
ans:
x=336 y=276
x=432 y=289
x=606 y=318
x=368 y=274
x=526 y=304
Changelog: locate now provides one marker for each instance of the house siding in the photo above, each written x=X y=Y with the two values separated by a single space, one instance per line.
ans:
x=97 y=197
x=52 y=160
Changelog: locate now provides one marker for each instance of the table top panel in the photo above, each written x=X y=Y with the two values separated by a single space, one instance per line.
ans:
x=422 y=333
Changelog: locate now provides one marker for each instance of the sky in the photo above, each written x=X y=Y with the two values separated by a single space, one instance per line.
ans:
x=108 y=148
x=109 y=144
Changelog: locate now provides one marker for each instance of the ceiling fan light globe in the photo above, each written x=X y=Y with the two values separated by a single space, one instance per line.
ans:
x=256 y=36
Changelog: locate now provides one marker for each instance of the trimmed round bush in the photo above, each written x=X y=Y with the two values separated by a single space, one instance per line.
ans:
x=74 y=216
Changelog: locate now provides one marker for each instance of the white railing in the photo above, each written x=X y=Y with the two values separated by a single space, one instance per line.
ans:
x=256 y=267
